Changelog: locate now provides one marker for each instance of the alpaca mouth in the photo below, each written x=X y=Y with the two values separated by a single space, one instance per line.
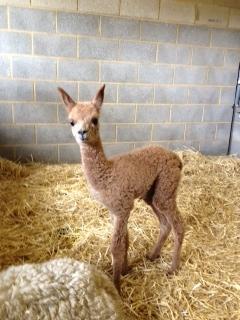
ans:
x=83 y=138
x=83 y=135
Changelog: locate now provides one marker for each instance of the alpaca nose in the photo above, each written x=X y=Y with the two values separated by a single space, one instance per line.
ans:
x=82 y=134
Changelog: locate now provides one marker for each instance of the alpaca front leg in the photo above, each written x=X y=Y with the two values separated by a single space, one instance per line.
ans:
x=119 y=247
x=125 y=268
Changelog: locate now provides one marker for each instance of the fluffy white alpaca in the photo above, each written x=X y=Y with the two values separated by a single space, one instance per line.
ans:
x=58 y=289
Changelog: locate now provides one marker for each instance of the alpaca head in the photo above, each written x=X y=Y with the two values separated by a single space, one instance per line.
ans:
x=83 y=116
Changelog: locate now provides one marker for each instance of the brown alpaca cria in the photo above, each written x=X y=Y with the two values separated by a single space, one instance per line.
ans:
x=150 y=173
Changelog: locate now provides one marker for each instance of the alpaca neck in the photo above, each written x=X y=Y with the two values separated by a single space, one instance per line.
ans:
x=95 y=164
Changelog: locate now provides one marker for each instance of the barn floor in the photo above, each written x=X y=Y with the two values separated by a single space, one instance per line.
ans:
x=46 y=212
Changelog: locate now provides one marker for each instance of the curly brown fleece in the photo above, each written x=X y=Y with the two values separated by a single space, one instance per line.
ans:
x=150 y=173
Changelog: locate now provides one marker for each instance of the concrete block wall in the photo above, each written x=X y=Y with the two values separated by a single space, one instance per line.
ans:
x=169 y=81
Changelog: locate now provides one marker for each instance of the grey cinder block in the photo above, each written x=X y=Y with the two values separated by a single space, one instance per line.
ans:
x=78 y=70
x=5 y=70
x=154 y=73
x=186 y=113
x=134 y=132
x=194 y=35
x=183 y=145
x=76 y=23
x=55 y=45
x=168 y=132
x=87 y=92
x=201 y=131
x=119 y=28
x=54 y=134
x=208 y=56
x=139 y=8
x=38 y=153
x=227 y=95
x=204 y=95
x=217 y=113
x=35 y=113
x=119 y=72
x=47 y=91
x=16 y=90
x=15 y=135
x=32 y=20
x=113 y=149
x=135 y=94
x=118 y=113
x=223 y=131
x=69 y=153
x=222 y=76
x=232 y=58
x=190 y=75
x=108 y=132
x=3 y=17
x=62 y=113
x=34 y=68
x=226 y=38
x=211 y=147
x=137 y=51
x=172 y=53
x=51 y=4
x=98 y=49
x=152 y=113
x=162 y=144
x=163 y=32
x=15 y=42
x=171 y=94
x=6 y=113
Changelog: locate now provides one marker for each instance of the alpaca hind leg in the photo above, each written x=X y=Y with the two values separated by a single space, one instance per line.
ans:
x=165 y=229
x=172 y=215
x=164 y=200
x=178 y=233
x=125 y=266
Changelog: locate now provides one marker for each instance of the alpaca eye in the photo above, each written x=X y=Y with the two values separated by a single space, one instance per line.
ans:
x=72 y=123
x=95 y=121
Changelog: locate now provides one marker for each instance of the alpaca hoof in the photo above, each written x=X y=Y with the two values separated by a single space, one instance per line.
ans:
x=152 y=257
x=171 y=272
x=118 y=287
x=127 y=270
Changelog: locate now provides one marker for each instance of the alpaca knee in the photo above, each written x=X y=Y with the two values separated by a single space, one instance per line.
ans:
x=178 y=230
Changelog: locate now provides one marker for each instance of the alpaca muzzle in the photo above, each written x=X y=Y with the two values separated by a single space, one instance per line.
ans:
x=83 y=135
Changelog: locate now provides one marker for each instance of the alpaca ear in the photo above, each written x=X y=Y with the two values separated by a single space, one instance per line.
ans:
x=98 y=99
x=68 y=101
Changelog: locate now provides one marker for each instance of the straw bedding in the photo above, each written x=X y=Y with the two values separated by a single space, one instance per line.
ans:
x=46 y=212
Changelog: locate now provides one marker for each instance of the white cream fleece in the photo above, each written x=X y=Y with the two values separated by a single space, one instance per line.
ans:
x=58 y=289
